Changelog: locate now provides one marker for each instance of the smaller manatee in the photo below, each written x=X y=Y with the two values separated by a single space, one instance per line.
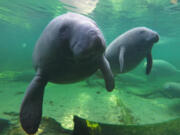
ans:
x=167 y=90
x=172 y=89
x=163 y=70
x=129 y=49
x=163 y=67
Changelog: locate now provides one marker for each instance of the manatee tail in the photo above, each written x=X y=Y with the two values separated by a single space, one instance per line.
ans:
x=31 y=107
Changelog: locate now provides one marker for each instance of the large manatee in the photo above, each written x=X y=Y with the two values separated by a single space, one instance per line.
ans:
x=70 y=49
x=129 y=49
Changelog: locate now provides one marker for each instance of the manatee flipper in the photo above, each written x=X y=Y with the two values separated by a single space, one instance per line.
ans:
x=107 y=73
x=31 y=107
x=121 y=58
x=149 y=63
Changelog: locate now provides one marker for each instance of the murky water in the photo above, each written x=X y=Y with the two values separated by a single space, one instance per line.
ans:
x=137 y=98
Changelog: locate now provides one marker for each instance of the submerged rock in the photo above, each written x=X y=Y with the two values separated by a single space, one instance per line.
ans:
x=85 y=127
x=4 y=124
x=48 y=126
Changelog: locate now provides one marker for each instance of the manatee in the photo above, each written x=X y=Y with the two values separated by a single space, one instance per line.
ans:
x=129 y=49
x=168 y=90
x=172 y=89
x=70 y=49
x=162 y=69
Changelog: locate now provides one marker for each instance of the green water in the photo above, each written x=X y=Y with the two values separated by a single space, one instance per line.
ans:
x=134 y=100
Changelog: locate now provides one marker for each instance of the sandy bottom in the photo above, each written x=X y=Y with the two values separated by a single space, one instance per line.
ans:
x=90 y=100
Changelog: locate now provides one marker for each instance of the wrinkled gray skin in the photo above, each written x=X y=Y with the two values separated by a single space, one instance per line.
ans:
x=70 y=49
x=130 y=48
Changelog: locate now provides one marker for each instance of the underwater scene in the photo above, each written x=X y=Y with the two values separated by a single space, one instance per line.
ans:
x=90 y=67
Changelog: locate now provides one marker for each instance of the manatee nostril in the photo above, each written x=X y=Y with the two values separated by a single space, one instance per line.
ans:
x=156 y=39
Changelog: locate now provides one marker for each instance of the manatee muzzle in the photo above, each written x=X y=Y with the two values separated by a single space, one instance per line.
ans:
x=156 y=37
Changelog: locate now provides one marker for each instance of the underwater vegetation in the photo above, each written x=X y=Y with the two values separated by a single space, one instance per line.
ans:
x=8 y=75
x=125 y=115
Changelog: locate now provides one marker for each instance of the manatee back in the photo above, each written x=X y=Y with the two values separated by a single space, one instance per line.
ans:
x=163 y=68
x=50 y=46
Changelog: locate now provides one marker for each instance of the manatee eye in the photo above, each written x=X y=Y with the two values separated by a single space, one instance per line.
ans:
x=92 y=33
x=63 y=31
x=141 y=32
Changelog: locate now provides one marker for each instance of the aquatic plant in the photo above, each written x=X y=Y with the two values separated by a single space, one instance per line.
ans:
x=8 y=75
x=125 y=116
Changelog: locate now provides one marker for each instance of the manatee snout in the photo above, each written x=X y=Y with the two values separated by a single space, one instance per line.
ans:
x=151 y=36
x=95 y=43
x=155 y=37
x=91 y=46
